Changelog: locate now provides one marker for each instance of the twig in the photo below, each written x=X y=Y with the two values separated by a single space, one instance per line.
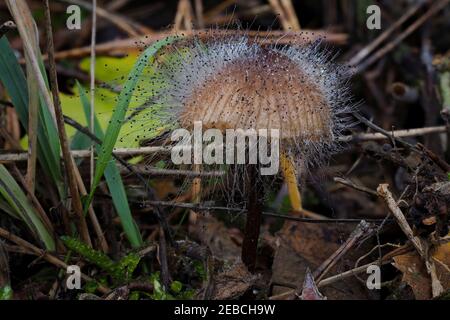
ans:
x=183 y=16
x=121 y=22
x=373 y=44
x=92 y=74
x=202 y=207
x=33 y=120
x=92 y=216
x=393 y=134
x=7 y=157
x=435 y=8
x=355 y=186
x=387 y=134
x=219 y=8
x=361 y=231
x=67 y=157
x=33 y=109
x=333 y=279
x=152 y=171
x=269 y=37
x=46 y=256
x=199 y=14
x=239 y=16
x=349 y=273
x=386 y=195
x=436 y=159
x=286 y=12
x=13 y=143
x=162 y=254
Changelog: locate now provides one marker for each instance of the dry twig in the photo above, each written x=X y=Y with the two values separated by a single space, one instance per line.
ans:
x=385 y=194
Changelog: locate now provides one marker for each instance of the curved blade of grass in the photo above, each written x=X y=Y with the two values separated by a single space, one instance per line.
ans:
x=13 y=78
x=114 y=182
x=112 y=132
x=19 y=202
x=4 y=206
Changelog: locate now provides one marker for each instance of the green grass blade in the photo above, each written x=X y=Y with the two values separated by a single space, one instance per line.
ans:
x=13 y=78
x=4 y=206
x=114 y=182
x=80 y=142
x=19 y=202
x=112 y=132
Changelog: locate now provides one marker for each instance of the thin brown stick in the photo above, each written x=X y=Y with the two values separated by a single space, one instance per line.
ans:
x=265 y=37
x=33 y=114
x=92 y=76
x=435 y=8
x=162 y=255
x=362 y=230
x=286 y=12
x=67 y=157
x=238 y=16
x=386 y=195
x=363 y=53
x=219 y=8
x=92 y=216
x=183 y=18
x=121 y=22
x=333 y=279
x=12 y=143
x=7 y=157
x=291 y=14
x=353 y=185
x=199 y=14
x=46 y=256
x=213 y=209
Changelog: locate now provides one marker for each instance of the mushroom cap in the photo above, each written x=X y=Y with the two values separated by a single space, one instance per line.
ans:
x=264 y=91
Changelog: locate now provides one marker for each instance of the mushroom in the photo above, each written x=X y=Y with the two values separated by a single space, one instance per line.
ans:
x=234 y=83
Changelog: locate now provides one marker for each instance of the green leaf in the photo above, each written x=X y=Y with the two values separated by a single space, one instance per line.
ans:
x=13 y=78
x=114 y=182
x=20 y=204
x=119 y=113
x=6 y=208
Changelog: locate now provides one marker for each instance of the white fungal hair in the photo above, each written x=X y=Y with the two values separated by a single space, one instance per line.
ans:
x=199 y=62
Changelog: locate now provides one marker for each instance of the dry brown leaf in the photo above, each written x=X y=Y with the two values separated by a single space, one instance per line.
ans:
x=301 y=246
x=233 y=283
x=220 y=239
x=416 y=276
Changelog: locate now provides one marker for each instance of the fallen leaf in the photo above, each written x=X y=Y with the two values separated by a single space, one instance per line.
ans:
x=300 y=246
x=310 y=290
x=215 y=235
x=416 y=276
x=233 y=282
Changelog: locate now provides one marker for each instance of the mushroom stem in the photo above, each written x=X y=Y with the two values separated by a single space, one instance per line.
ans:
x=290 y=177
x=255 y=196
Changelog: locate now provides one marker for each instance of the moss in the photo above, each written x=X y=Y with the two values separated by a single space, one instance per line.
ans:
x=120 y=271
